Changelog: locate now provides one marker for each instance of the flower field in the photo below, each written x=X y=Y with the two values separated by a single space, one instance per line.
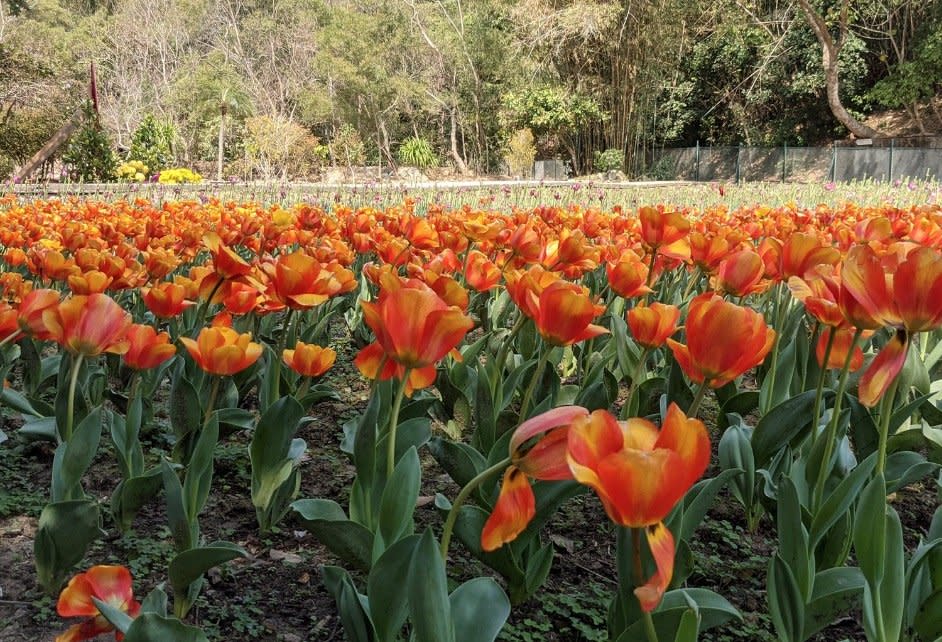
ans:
x=469 y=422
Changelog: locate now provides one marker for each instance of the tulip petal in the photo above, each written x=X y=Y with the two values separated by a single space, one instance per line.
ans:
x=514 y=509
x=689 y=439
x=545 y=422
x=883 y=370
x=661 y=543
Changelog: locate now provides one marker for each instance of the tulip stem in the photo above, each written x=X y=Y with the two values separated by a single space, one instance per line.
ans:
x=505 y=346
x=537 y=376
x=205 y=305
x=635 y=382
x=213 y=393
x=394 y=424
x=462 y=497
x=70 y=407
x=780 y=308
x=831 y=433
x=819 y=392
x=698 y=399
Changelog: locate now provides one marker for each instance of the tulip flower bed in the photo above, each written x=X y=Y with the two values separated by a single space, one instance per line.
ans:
x=228 y=421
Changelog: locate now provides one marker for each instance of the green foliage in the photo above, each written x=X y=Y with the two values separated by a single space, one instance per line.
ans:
x=346 y=147
x=609 y=160
x=520 y=154
x=417 y=152
x=912 y=80
x=152 y=143
x=549 y=110
x=89 y=155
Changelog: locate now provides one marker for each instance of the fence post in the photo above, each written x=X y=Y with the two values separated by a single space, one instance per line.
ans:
x=784 y=162
x=696 y=171
x=889 y=177
x=833 y=163
x=738 y=161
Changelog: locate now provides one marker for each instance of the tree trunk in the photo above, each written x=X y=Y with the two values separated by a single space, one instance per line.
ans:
x=455 y=156
x=829 y=60
x=221 y=144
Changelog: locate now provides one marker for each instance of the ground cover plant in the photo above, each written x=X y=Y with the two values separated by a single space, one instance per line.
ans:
x=552 y=422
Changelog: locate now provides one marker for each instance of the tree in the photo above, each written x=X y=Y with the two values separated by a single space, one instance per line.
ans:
x=830 y=60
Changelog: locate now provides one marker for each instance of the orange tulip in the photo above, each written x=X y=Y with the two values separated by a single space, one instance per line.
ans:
x=239 y=298
x=639 y=474
x=89 y=325
x=724 y=340
x=628 y=276
x=740 y=274
x=309 y=360
x=147 y=349
x=901 y=290
x=414 y=329
x=299 y=281
x=166 y=300
x=9 y=323
x=665 y=232
x=820 y=291
x=91 y=282
x=562 y=311
x=111 y=584
x=226 y=262
x=220 y=350
x=652 y=325
x=546 y=460
x=480 y=272
x=31 y=310
x=841 y=345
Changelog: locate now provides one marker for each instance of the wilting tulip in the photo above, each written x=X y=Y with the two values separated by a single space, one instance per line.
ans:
x=89 y=325
x=147 y=348
x=309 y=360
x=639 y=474
x=110 y=584
x=545 y=460
x=220 y=350
x=651 y=325
x=724 y=340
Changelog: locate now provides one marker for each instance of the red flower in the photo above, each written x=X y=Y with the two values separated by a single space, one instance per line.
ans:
x=111 y=584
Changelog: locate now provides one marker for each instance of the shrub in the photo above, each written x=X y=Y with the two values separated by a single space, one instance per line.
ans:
x=520 y=153
x=417 y=152
x=347 y=147
x=152 y=143
x=178 y=175
x=89 y=155
x=277 y=146
x=132 y=171
x=609 y=160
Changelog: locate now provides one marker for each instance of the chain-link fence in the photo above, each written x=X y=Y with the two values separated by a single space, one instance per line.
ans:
x=884 y=161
